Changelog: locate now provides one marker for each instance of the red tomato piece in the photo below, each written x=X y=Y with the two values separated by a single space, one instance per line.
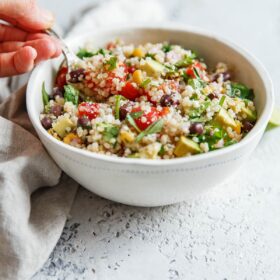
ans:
x=147 y=118
x=131 y=69
x=190 y=71
x=110 y=46
x=61 y=77
x=164 y=111
x=130 y=92
x=87 y=109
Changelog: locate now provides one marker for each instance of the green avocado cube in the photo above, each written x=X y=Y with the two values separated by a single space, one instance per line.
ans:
x=186 y=146
x=152 y=68
x=63 y=126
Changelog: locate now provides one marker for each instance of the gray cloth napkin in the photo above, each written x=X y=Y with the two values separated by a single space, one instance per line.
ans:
x=34 y=199
x=32 y=214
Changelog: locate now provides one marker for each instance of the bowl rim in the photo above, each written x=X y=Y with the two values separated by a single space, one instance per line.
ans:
x=171 y=27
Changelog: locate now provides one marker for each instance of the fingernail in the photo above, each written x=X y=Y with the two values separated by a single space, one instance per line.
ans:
x=34 y=53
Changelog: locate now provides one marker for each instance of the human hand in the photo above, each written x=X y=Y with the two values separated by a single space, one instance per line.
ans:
x=23 y=44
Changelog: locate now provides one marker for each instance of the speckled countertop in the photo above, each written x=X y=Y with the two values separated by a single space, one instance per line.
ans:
x=231 y=232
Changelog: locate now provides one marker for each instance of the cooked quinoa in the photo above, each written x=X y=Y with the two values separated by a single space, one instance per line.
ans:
x=155 y=101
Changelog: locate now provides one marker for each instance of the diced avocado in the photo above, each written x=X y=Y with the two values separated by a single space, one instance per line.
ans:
x=186 y=146
x=152 y=68
x=63 y=126
x=150 y=151
x=225 y=119
x=251 y=115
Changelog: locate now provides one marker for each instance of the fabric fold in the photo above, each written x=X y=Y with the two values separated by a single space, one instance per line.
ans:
x=34 y=203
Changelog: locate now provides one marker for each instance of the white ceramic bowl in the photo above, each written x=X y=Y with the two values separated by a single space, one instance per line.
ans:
x=156 y=182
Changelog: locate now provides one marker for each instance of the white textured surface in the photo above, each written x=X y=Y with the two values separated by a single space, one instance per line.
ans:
x=229 y=233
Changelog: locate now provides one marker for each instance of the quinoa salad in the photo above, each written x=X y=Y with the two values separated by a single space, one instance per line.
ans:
x=153 y=101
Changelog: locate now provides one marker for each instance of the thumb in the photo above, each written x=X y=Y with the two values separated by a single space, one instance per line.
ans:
x=26 y=14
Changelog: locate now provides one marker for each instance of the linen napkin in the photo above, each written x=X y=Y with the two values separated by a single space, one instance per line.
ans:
x=34 y=199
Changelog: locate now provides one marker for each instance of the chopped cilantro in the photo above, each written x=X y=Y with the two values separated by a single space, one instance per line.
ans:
x=84 y=53
x=110 y=132
x=241 y=91
x=145 y=83
x=221 y=103
x=136 y=115
x=186 y=61
x=161 y=151
x=166 y=48
x=112 y=63
x=153 y=128
x=132 y=122
x=45 y=95
x=117 y=106
x=151 y=55
x=71 y=94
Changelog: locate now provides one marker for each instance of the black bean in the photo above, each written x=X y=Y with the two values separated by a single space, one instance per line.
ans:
x=56 y=110
x=84 y=122
x=212 y=95
x=58 y=91
x=168 y=100
x=77 y=75
x=225 y=75
x=247 y=126
x=196 y=128
x=123 y=112
x=46 y=122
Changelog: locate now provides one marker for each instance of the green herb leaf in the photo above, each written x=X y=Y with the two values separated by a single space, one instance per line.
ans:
x=197 y=112
x=101 y=51
x=84 y=53
x=186 y=61
x=112 y=62
x=136 y=115
x=135 y=155
x=195 y=83
x=110 y=131
x=153 y=128
x=145 y=83
x=161 y=151
x=166 y=48
x=241 y=91
x=151 y=55
x=117 y=106
x=45 y=95
x=221 y=103
x=71 y=94
x=196 y=73
x=132 y=122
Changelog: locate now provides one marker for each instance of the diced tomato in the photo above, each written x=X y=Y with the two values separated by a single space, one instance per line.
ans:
x=131 y=69
x=130 y=92
x=88 y=109
x=164 y=111
x=147 y=118
x=110 y=46
x=198 y=66
x=61 y=77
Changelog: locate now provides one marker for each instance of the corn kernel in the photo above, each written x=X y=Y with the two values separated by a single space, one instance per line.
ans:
x=137 y=77
x=237 y=129
x=70 y=137
x=126 y=137
x=138 y=52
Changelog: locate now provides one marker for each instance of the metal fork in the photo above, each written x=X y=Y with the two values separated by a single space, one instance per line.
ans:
x=70 y=57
